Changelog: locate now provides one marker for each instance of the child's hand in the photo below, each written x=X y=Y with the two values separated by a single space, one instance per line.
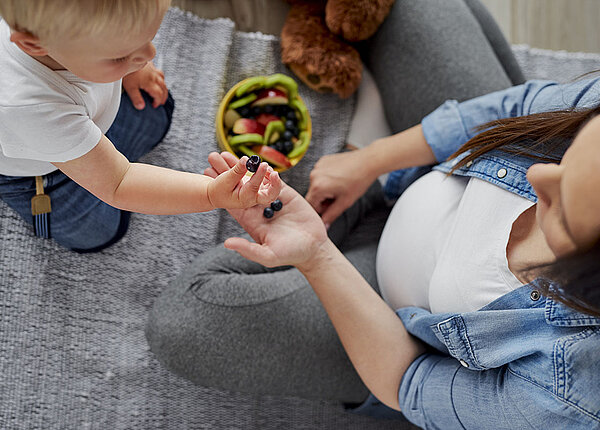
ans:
x=232 y=189
x=149 y=79
x=292 y=236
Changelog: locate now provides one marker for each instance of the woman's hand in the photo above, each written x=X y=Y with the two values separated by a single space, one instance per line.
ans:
x=337 y=181
x=291 y=237
x=149 y=79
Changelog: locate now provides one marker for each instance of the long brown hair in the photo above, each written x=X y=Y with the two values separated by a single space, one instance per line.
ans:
x=541 y=136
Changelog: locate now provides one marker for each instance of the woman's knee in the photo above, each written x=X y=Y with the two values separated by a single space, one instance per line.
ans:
x=429 y=51
x=261 y=332
x=213 y=317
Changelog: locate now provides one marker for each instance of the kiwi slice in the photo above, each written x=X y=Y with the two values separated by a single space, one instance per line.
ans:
x=246 y=138
x=285 y=81
x=252 y=84
x=243 y=101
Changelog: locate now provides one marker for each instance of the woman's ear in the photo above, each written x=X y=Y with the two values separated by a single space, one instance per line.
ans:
x=29 y=43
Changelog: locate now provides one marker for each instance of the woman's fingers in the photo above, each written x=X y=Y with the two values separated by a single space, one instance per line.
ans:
x=251 y=251
x=319 y=200
x=332 y=211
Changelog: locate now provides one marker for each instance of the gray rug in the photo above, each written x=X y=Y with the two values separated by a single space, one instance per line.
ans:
x=72 y=347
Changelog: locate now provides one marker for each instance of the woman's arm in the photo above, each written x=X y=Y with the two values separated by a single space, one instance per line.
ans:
x=374 y=337
x=338 y=180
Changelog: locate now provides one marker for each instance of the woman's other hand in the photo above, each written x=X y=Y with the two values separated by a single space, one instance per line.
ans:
x=337 y=181
x=291 y=237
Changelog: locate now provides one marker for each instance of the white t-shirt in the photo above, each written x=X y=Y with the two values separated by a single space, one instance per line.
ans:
x=443 y=247
x=45 y=115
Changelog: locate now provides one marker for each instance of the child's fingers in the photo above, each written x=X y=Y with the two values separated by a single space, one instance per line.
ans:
x=209 y=171
x=271 y=191
x=232 y=177
x=136 y=97
x=217 y=162
x=157 y=93
x=165 y=92
x=257 y=179
x=229 y=158
x=276 y=184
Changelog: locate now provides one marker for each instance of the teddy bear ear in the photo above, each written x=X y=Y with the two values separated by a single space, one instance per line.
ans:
x=356 y=20
x=323 y=61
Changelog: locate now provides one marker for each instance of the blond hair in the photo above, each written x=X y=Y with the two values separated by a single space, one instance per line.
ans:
x=52 y=19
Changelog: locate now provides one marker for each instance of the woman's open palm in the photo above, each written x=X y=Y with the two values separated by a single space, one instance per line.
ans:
x=290 y=237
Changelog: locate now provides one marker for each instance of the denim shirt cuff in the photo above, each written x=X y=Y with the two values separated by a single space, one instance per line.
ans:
x=444 y=130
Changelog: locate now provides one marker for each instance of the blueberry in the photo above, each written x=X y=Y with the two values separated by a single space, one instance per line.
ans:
x=289 y=124
x=295 y=131
x=268 y=212
x=276 y=205
x=291 y=115
x=284 y=110
x=269 y=109
x=244 y=111
x=287 y=135
x=256 y=110
x=253 y=163
x=278 y=145
x=287 y=146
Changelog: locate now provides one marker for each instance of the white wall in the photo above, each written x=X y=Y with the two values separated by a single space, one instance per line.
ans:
x=573 y=25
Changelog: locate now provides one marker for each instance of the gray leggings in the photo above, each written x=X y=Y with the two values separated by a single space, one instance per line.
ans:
x=229 y=323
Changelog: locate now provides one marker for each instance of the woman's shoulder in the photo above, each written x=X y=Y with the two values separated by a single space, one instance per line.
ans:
x=552 y=96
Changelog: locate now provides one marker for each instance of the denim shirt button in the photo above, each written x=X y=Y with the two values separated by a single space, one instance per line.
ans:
x=535 y=295
x=464 y=363
x=469 y=164
x=501 y=173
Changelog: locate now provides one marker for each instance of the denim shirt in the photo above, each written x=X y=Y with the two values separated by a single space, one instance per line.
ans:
x=522 y=361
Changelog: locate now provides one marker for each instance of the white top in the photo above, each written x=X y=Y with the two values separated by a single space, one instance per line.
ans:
x=443 y=247
x=45 y=115
x=368 y=121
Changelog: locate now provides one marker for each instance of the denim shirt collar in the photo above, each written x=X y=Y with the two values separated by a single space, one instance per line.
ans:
x=494 y=167
x=514 y=326
x=555 y=312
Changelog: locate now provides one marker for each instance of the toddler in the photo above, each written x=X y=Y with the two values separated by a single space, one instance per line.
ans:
x=65 y=118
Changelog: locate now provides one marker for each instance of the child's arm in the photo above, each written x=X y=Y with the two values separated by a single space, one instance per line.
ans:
x=137 y=187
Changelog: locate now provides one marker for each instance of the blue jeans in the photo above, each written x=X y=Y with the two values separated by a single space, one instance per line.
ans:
x=80 y=221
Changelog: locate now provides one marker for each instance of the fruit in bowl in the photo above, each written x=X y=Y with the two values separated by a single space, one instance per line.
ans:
x=265 y=116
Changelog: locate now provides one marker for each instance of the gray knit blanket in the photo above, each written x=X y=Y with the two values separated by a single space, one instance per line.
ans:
x=72 y=348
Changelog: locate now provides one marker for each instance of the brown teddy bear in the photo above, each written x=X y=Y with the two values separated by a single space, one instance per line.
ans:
x=315 y=41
